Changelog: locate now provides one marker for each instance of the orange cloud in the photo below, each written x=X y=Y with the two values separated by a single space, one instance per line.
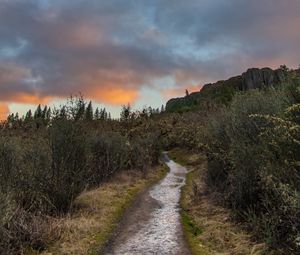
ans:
x=114 y=95
x=109 y=87
x=179 y=92
x=30 y=98
x=4 y=111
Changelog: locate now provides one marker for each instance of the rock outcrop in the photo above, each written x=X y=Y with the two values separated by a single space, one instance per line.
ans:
x=256 y=78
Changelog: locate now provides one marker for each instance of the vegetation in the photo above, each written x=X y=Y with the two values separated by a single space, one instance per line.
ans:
x=253 y=150
x=207 y=224
x=251 y=140
x=252 y=146
x=96 y=213
x=48 y=158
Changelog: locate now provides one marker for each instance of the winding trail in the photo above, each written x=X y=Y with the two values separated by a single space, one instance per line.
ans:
x=152 y=225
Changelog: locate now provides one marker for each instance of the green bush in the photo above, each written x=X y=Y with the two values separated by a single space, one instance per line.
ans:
x=253 y=151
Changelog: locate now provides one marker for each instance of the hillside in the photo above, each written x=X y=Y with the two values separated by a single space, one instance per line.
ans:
x=223 y=91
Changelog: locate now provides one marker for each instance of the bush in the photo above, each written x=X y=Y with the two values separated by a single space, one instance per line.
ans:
x=109 y=154
x=144 y=152
x=44 y=166
x=69 y=163
x=20 y=228
x=253 y=151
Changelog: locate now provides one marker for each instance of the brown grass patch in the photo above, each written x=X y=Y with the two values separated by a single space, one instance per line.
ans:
x=207 y=224
x=97 y=212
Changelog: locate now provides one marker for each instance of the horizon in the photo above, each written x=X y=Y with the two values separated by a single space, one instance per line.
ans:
x=138 y=53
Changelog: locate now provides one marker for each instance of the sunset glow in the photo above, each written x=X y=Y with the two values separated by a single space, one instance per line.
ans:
x=3 y=111
x=115 y=96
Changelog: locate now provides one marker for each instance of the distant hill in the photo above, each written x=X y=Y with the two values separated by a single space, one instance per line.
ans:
x=223 y=91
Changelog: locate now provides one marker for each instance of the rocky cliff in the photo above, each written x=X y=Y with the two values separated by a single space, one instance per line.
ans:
x=256 y=78
x=222 y=91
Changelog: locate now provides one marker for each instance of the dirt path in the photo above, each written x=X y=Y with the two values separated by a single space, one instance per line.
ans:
x=152 y=225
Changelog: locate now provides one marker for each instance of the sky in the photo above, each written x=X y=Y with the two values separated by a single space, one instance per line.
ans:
x=141 y=52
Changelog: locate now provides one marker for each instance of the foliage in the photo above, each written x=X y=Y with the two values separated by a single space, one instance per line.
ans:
x=253 y=150
x=252 y=143
x=46 y=162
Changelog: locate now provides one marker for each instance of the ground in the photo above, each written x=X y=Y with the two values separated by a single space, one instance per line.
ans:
x=97 y=213
x=207 y=224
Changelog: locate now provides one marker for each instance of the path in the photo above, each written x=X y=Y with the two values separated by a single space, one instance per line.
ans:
x=152 y=225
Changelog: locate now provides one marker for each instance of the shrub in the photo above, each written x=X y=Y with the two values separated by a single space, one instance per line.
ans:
x=144 y=152
x=253 y=151
x=69 y=163
x=109 y=154
x=45 y=165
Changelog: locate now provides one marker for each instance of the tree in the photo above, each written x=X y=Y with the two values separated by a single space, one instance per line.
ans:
x=80 y=109
x=89 y=113
x=97 y=114
x=284 y=68
x=63 y=113
x=44 y=112
x=75 y=108
x=187 y=92
x=103 y=114
x=28 y=116
x=38 y=112
x=48 y=115
x=125 y=112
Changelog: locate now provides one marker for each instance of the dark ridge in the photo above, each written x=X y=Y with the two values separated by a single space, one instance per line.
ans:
x=223 y=91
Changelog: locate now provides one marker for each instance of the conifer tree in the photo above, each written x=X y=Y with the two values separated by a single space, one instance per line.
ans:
x=103 y=114
x=28 y=115
x=80 y=109
x=89 y=112
x=97 y=114
x=44 y=112
x=38 y=112
x=48 y=115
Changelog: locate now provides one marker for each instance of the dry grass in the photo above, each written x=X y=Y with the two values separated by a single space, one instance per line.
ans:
x=208 y=227
x=96 y=213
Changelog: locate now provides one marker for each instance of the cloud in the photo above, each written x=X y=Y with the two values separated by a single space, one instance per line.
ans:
x=4 y=111
x=111 y=50
x=114 y=96
x=180 y=91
